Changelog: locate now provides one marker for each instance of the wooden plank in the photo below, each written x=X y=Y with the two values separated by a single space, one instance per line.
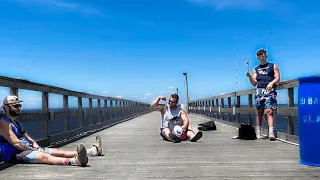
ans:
x=246 y=110
x=90 y=111
x=34 y=116
x=289 y=111
x=222 y=107
x=80 y=112
x=59 y=114
x=229 y=105
x=45 y=109
x=66 y=110
x=290 y=105
x=249 y=106
x=13 y=91
x=287 y=84
x=28 y=85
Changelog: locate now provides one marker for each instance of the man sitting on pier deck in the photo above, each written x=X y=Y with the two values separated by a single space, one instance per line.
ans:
x=265 y=76
x=17 y=147
x=173 y=111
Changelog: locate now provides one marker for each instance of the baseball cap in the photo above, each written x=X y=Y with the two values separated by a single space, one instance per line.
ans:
x=10 y=100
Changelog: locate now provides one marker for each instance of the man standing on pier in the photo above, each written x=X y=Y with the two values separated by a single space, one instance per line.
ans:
x=16 y=146
x=265 y=76
x=173 y=112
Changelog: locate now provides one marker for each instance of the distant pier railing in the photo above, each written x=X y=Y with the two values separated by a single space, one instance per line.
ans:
x=215 y=108
x=96 y=117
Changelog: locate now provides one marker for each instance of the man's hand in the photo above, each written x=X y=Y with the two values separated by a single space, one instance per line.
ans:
x=269 y=87
x=35 y=145
x=162 y=98
x=40 y=150
x=248 y=75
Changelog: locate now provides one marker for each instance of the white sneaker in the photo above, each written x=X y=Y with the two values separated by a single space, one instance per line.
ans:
x=271 y=136
x=259 y=136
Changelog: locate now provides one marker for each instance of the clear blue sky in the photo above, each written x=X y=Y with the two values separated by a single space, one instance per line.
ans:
x=139 y=49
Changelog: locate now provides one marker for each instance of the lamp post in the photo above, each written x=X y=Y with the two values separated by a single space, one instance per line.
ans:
x=177 y=91
x=185 y=74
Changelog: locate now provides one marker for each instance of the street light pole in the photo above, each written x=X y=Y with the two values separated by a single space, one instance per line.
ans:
x=185 y=74
x=177 y=91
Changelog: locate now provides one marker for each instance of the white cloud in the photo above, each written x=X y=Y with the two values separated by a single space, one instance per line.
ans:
x=161 y=92
x=171 y=87
x=148 y=94
x=105 y=92
x=120 y=97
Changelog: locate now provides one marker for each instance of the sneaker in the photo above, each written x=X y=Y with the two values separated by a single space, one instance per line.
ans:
x=98 y=145
x=271 y=136
x=259 y=136
x=81 y=157
x=174 y=138
x=196 y=136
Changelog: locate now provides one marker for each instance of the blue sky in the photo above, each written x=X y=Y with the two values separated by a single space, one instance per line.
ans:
x=139 y=49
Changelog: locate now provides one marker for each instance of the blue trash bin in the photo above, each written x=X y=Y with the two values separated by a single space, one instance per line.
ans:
x=309 y=120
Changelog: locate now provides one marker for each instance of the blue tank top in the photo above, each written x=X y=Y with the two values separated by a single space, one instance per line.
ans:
x=265 y=74
x=6 y=149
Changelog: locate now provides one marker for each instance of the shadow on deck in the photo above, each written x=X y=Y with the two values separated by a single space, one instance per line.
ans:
x=135 y=150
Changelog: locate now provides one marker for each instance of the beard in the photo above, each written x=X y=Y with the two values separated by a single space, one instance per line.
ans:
x=13 y=113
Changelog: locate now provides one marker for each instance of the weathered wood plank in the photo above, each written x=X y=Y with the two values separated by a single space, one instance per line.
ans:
x=28 y=85
x=215 y=156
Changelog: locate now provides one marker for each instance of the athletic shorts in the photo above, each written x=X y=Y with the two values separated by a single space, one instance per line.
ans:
x=25 y=157
x=265 y=100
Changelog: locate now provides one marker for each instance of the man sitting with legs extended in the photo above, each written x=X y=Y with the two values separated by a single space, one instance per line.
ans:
x=16 y=146
x=173 y=112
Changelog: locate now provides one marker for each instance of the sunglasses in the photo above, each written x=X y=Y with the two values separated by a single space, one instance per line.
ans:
x=16 y=106
x=172 y=101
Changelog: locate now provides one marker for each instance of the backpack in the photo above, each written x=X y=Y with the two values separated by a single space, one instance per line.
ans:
x=246 y=132
x=210 y=125
x=176 y=120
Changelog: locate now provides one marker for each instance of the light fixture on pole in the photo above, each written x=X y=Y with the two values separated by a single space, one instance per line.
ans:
x=177 y=91
x=185 y=74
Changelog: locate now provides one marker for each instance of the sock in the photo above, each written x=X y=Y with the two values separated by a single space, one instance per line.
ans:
x=271 y=130
x=69 y=161
x=92 y=151
x=258 y=130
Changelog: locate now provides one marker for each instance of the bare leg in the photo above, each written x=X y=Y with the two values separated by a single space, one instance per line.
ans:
x=259 y=122
x=192 y=135
x=270 y=118
x=168 y=135
x=80 y=159
x=96 y=150
x=44 y=158
x=61 y=153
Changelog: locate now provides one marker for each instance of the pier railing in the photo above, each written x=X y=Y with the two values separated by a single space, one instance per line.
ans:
x=115 y=110
x=215 y=108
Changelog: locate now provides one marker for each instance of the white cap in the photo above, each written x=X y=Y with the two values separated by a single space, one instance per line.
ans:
x=10 y=100
x=177 y=130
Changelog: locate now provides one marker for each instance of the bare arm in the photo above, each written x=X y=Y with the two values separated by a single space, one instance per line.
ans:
x=253 y=78
x=8 y=134
x=185 y=119
x=156 y=106
x=276 y=75
x=32 y=141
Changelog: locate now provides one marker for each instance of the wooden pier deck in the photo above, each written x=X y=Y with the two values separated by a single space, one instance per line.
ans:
x=134 y=150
